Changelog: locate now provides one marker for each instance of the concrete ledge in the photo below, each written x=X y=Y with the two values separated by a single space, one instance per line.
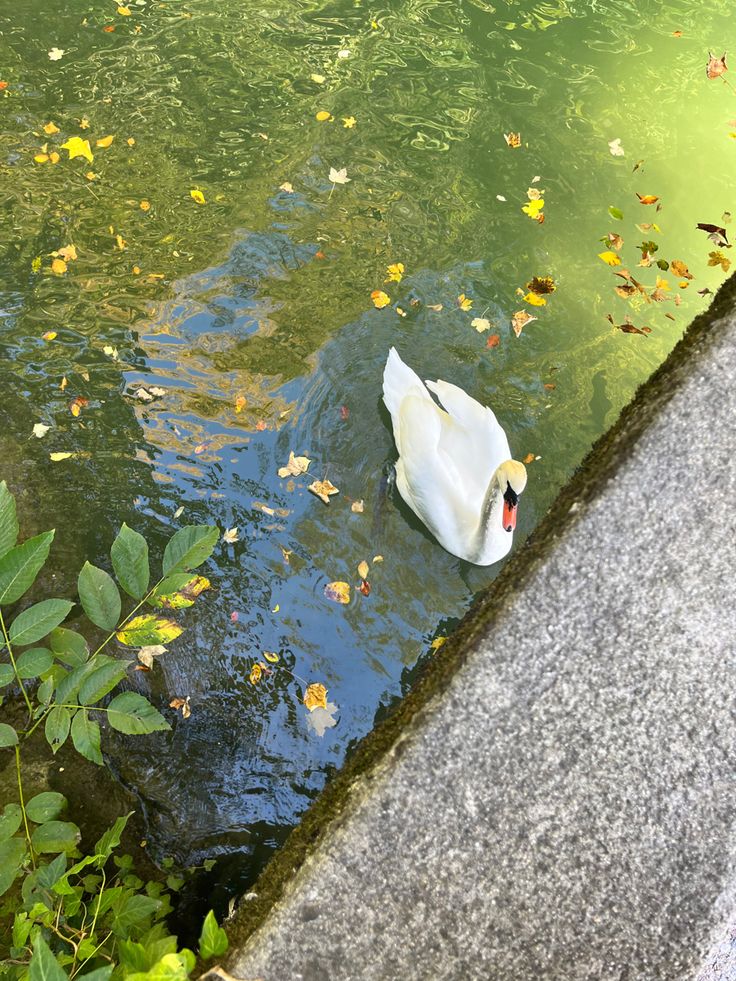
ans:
x=562 y=809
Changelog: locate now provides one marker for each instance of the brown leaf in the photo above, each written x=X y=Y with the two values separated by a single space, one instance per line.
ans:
x=647 y=198
x=338 y=592
x=315 y=696
x=519 y=321
x=680 y=269
x=323 y=489
x=529 y=458
x=296 y=466
x=716 y=66
x=541 y=285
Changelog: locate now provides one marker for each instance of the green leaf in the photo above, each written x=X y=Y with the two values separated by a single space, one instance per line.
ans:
x=181 y=597
x=86 y=737
x=45 y=806
x=12 y=853
x=20 y=566
x=57 y=726
x=10 y=821
x=6 y=674
x=100 y=974
x=146 y=630
x=111 y=838
x=189 y=547
x=35 y=662
x=56 y=836
x=100 y=597
x=37 y=621
x=102 y=681
x=44 y=966
x=171 y=584
x=69 y=646
x=134 y=715
x=8 y=520
x=129 y=554
x=212 y=939
x=132 y=911
x=68 y=686
x=8 y=735
x=616 y=213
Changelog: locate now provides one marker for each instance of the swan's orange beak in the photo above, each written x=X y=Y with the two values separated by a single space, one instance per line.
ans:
x=509 y=515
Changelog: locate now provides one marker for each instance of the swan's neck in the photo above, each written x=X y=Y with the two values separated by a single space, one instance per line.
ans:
x=489 y=523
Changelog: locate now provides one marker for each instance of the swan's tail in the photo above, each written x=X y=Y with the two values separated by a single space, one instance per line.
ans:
x=398 y=382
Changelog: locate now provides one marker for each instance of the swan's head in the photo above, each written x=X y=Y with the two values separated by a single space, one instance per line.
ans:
x=511 y=476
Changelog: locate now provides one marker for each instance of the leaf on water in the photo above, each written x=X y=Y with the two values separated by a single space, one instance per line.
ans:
x=615 y=148
x=719 y=259
x=183 y=704
x=363 y=569
x=271 y=656
x=49 y=335
x=464 y=302
x=534 y=300
x=315 y=696
x=320 y=719
x=256 y=673
x=324 y=116
x=56 y=53
x=58 y=457
x=480 y=324
x=323 y=489
x=147 y=630
x=500 y=197
x=513 y=140
x=58 y=267
x=380 y=299
x=610 y=258
x=84 y=123
x=616 y=213
x=716 y=234
x=68 y=252
x=39 y=430
x=647 y=198
x=519 y=321
x=716 y=66
x=529 y=458
x=296 y=466
x=104 y=141
x=319 y=79
x=395 y=272
x=197 y=196
x=349 y=121
x=365 y=587
x=147 y=654
x=50 y=129
x=357 y=507
x=77 y=404
x=77 y=147
x=541 y=285
x=339 y=176
x=286 y=186
x=338 y=592
x=628 y=328
x=493 y=341
x=534 y=193
x=230 y=535
x=533 y=208
x=124 y=11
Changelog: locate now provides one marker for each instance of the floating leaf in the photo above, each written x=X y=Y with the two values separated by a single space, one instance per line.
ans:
x=535 y=300
x=647 y=198
x=323 y=116
x=197 y=196
x=716 y=66
x=616 y=213
x=255 y=675
x=716 y=234
x=339 y=176
x=610 y=258
x=56 y=53
x=183 y=705
x=719 y=259
x=338 y=592
x=513 y=139
x=271 y=656
x=357 y=507
x=50 y=128
x=519 y=320
x=315 y=696
x=319 y=79
x=464 y=302
x=58 y=457
x=58 y=267
x=296 y=466
x=286 y=186
x=395 y=272
x=147 y=630
x=615 y=148
x=480 y=324
x=39 y=430
x=323 y=489
x=149 y=652
x=380 y=299
x=230 y=535
x=105 y=141
x=363 y=569
x=533 y=208
x=77 y=147
x=541 y=285
x=349 y=122
x=529 y=458
x=493 y=341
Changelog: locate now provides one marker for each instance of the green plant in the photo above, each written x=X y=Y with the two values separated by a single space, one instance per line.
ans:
x=69 y=915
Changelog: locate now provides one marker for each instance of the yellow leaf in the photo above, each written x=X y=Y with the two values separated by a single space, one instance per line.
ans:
x=54 y=157
x=610 y=258
x=58 y=267
x=124 y=11
x=41 y=158
x=535 y=300
x=357 y=507
x=84 y=123
x=50 y=128
x=319 y=79
x=395 y=272
x=380 y=299
x=719 y=259
x=647 y=198
x=105 y=141
x=145 y=205
x=56 y=457
x=315 y=696
x=36 y=264
x=49 y=335
x=338 y=592
x=519 y=320
x=662 y=284
x=533 y=208
x=437 y=643
x=349 y=121
x=480 y=324
x=255 y=674
x=324 y=116
x=271 y=656
x=120 y=242
x=323 y=489
x=363 y=569
x=240 y=403
x=130 y=141
x=136 y=270
x=146 y=630
x=679 y=268
x=513 y=139
x=297 y=465
x=91 y=175
x=197 y=196
x=68 y=252
x=77 y=147
x=464 y=302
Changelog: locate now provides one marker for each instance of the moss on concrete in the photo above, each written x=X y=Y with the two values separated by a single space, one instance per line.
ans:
x=599 y=466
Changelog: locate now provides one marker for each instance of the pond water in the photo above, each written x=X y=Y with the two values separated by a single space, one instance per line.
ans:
x=252 y=312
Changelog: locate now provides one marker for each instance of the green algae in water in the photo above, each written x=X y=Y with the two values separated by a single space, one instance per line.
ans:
x=253 y=313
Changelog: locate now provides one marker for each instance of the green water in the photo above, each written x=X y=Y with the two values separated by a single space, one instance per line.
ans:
x=260 y=300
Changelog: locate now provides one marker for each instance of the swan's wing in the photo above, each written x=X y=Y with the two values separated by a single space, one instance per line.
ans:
x=428 y=479
x=399 y=381
x=474 y=439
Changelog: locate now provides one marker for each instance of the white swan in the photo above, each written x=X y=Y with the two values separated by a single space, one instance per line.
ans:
x=454 y=468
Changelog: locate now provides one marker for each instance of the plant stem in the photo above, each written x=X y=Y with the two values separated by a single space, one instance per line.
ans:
x=125 y=619
x=15 y=669
x=23 y=805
